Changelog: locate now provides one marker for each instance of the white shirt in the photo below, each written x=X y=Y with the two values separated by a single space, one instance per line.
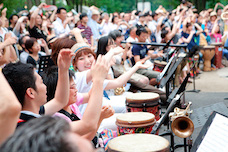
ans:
x=106 y=28
x=152 y=25
x=84 y=87
x=59 y=28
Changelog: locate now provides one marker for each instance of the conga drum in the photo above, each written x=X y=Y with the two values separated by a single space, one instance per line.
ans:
x=159 y=65
x=144 y=101
x=208 y=53
x=139 y=143
x=135 y=122
x=218 y=54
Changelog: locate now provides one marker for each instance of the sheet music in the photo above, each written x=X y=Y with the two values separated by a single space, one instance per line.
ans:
x=216 y=138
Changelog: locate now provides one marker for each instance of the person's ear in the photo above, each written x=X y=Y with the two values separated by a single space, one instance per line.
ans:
x=30 y=92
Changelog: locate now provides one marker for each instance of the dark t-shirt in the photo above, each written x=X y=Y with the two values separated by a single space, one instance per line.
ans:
x=33 y=62
x=37 y=33
x=192 y=42
x=140 y=50
x=26 y=117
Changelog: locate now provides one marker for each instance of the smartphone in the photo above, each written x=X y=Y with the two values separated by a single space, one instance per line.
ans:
x=39 y=41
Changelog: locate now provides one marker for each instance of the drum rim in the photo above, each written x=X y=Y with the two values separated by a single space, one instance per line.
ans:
x=207 y=47
x=140 y=105
x=216 y=44
x=142 y=124
x=139 y=123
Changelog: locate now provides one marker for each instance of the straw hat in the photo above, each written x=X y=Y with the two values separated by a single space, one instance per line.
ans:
x=79 y=46
x=224 y=16
x=51 y=38
x=95 y=12
x=213 y=14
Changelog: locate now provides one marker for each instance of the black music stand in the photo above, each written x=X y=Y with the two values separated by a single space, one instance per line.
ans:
x=165 y=119
x=220 y=130
x=170 y=72
x=45 y=62
x=194 y=78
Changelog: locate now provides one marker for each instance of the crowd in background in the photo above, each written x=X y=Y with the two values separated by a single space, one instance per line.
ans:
x=88 y=43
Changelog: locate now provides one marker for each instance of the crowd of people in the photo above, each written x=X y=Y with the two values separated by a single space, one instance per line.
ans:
x=74 y=101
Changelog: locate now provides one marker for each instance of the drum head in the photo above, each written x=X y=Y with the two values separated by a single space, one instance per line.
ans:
x=138 y=143
x=208 y=47
x=142 y=97
x=162 y=63
x=217 y=44
x=135 y=119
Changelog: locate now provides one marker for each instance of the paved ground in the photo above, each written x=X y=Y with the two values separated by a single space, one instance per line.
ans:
x=213 y=88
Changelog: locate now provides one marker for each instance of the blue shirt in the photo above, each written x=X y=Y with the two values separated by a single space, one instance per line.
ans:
x=95 y=27
x=140 y=50
x=193 y=41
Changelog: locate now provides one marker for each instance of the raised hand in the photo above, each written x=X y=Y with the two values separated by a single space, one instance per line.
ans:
x=42 y=5
x=117 y=50
x=9 y=40
x=100 y=69
x=64 y=58
x=107 y=111
x=76 y=31
x=140 y=65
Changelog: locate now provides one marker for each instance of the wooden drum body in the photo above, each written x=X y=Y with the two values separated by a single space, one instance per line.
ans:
x=159 y=65
x=139 y=143
x=145 y=101
x=218 y=54
x=208 y=53
x=135 y=122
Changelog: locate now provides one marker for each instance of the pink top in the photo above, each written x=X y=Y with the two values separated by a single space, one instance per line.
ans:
x=74 y=108
x=218 y=37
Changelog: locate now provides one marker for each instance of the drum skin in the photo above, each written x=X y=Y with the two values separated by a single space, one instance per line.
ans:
x=138 y=143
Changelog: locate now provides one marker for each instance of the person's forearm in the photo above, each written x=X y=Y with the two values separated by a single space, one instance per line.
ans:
x=92 y=41
x=13 y=55
x=92 y=134
x=79 y=38
x=53 y=16
x=33 y=17
x=122 y=79
x=93 y=109
x=46 y=49
x=62 y=88
x=9 y=111
x=189 y=38
x=61 y=94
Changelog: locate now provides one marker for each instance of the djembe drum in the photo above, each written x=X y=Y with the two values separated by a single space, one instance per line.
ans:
x=144 y=101
x=208 y=53
x=139 y=143
x=135 y=122
x=159 y=65
x=218 y=54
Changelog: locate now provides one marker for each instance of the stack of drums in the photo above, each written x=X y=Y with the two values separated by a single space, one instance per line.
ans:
x=145 y=102
x=159 y=65
x=208 y=53
x=138 y=143
x=135 y=122
x=218 y=54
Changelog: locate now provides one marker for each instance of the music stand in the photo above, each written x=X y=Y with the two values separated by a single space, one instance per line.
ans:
x=194 y=79
x=165 y=81
x=45 y=62
x=214 y=130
